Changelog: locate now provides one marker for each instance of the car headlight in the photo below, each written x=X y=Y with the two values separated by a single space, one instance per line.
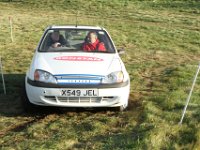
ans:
x=43 y=76
x=114 y=77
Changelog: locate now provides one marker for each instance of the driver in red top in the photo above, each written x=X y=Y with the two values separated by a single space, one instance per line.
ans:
x=93 y=44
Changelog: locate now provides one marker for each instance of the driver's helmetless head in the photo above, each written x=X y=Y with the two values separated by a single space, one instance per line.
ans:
x=92 y=37
x=55 y=36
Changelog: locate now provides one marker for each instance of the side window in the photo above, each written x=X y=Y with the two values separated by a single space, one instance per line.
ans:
x=103 y=37
x=44 y=44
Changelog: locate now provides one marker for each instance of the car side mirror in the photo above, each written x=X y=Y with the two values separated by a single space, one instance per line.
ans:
x=121 y=51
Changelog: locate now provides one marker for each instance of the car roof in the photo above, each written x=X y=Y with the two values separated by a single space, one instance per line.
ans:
x=75 y=27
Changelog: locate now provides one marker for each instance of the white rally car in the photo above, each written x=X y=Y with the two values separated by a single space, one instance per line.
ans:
x=66 y=75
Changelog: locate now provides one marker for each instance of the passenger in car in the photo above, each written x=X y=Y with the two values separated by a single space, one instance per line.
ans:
x=92 y=43
x=56 y=40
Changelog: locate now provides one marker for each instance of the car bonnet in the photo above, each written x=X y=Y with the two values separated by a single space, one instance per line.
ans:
x=77 y=63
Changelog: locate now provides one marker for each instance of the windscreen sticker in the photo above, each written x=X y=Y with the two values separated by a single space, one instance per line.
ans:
x=78 y=58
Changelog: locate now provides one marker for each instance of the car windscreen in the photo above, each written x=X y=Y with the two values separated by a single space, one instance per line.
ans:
x=76 y=40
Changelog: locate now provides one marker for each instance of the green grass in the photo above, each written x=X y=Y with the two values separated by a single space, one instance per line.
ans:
x=162 y=42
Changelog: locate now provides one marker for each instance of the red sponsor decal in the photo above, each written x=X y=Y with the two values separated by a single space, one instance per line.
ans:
x=78 y=58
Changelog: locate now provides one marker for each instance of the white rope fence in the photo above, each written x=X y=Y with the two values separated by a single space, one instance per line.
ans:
x=190 y=94
x=3 y=82
x=11 y=26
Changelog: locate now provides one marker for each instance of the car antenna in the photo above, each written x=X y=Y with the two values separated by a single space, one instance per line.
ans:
x=77 y=18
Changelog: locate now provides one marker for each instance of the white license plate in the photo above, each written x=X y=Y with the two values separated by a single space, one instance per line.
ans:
x=79 y=92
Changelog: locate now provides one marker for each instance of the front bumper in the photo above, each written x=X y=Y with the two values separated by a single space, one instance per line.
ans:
x=50 y=95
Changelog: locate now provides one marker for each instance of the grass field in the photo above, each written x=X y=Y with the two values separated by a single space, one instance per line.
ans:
x=162 y=43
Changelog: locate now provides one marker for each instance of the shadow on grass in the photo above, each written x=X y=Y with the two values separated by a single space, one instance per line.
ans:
x=10 y=104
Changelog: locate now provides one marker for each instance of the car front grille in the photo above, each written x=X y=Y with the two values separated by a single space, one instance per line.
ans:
x=90 y=100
